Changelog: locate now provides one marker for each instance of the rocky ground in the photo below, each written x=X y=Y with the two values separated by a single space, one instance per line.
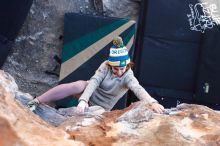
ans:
x=41 y=38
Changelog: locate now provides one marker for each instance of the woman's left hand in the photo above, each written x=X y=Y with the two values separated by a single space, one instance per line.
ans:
x=158 y=108
x=81 y=107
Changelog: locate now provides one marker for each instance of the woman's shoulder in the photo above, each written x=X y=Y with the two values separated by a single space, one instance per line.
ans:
x=129 y=74
x=103 y=68
x=104 y=65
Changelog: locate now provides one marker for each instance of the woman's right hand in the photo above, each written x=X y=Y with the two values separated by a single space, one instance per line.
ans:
x=158 y=108
x=81 y=106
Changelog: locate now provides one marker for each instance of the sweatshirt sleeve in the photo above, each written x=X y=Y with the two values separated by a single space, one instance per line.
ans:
x=94 y=82
x=133 y=84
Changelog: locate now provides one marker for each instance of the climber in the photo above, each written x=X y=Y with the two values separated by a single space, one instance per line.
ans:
x=110 y=82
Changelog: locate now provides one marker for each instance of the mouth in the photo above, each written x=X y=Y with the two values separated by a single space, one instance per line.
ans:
x=117 y=75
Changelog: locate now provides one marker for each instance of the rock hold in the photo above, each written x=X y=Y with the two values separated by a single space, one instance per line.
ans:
x=137 y=114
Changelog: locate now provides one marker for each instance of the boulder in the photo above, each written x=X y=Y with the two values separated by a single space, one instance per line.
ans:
x=185 y=125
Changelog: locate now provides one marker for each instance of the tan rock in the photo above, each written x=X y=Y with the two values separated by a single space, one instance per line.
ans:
x=185 y=125
x=22 y=127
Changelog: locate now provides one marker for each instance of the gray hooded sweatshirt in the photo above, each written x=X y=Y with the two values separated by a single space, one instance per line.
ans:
x=105 y=89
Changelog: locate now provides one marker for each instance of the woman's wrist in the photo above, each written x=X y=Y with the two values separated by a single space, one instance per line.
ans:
x=83 y=100
x=154 y=102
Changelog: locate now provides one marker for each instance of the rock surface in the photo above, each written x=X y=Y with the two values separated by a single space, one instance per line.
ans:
x=122 y=9
x=22 y=127
x=185 y=125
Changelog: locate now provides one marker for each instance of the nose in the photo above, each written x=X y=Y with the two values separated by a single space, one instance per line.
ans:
x=119 y=73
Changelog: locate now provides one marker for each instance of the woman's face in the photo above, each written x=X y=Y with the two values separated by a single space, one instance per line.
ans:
x=118 y=71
